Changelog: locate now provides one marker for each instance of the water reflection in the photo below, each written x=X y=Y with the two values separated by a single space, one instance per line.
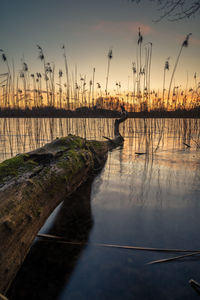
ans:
x=149 y=200
x=169 y=178
x=49 y=265
x=144 y=135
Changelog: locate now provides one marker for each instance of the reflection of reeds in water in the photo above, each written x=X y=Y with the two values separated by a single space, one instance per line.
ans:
x=166 y=175
x=147 y=135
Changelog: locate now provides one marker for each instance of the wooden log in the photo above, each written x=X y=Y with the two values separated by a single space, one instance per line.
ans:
x=33 y=184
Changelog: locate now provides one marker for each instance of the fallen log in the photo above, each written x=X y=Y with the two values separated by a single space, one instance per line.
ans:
x=49 y=266
x=33 y=184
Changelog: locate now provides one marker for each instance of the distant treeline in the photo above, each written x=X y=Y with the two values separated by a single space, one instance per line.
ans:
x=85 y=112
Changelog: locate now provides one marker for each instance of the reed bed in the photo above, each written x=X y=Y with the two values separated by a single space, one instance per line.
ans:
x=64 y=89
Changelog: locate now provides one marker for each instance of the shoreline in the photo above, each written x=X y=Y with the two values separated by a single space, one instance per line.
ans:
x=49 y=112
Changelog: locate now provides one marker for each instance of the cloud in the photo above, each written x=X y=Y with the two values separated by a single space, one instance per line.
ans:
x=122 y=28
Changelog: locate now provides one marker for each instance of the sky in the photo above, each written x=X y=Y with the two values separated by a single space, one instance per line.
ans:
x=89 y=28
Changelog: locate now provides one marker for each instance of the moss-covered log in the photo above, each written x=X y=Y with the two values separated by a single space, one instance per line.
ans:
x=33 y=184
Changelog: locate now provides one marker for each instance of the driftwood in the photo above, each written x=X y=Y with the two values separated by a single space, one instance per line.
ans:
x=195 y=285
x=33 y=184
x=173 y=258
x=60 y=239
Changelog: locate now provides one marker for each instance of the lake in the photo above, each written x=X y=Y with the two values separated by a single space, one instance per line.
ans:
x=147 y=195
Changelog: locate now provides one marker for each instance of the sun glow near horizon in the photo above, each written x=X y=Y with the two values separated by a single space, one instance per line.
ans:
x=89 y=37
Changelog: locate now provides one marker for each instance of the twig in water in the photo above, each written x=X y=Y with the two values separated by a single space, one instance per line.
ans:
x=187 y=145
x=140 y=153
x=172 y=258
x=195 y=285
x=60 y=239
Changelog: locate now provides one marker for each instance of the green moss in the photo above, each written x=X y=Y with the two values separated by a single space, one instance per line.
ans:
x=15 y=166
x=76 y=152
x=75 y=141
x=95 y=144
x=73 y=161
x=79 y=153
x=69 y=142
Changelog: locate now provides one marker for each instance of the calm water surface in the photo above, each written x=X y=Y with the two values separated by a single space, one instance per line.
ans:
x=149 y=200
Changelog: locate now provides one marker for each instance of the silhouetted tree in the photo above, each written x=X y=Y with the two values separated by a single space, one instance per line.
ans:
x=176 y=9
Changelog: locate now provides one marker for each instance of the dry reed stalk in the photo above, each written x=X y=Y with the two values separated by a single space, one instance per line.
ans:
x=110 y=56
x=63 y=240
x=184 y=44
x=67 y=75
x=173 y=258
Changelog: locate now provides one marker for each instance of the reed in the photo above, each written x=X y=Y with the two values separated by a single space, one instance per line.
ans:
x=139 y=63
x=93 y=84
x=50 y=89
x=60 y=74
x=183 y=45
x=67 y=75
x=6 y=94
x=42 y=58
x=110 y=56
x=166 y=68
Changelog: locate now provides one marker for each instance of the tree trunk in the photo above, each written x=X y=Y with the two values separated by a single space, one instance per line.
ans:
x=33 y=184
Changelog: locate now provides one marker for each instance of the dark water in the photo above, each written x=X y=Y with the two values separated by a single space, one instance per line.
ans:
x=150 y=200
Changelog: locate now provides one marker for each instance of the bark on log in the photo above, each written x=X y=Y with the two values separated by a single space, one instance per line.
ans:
x=33 y=184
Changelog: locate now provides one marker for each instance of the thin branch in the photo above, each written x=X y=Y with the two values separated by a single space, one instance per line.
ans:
x=175 y=9
x=167 y=13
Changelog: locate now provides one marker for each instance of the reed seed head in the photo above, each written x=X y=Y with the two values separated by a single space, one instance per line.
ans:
x=167 y=65
x=60 y=73
x=4 y=57
x=140 y=37
x=110 y=54
x=25 y=67
x=186 y=41
x=134 y=68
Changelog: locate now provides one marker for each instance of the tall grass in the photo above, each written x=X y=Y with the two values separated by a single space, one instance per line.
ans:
x=183 y=45
x=54 y=88
x=110 y=56
x=166 y=68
